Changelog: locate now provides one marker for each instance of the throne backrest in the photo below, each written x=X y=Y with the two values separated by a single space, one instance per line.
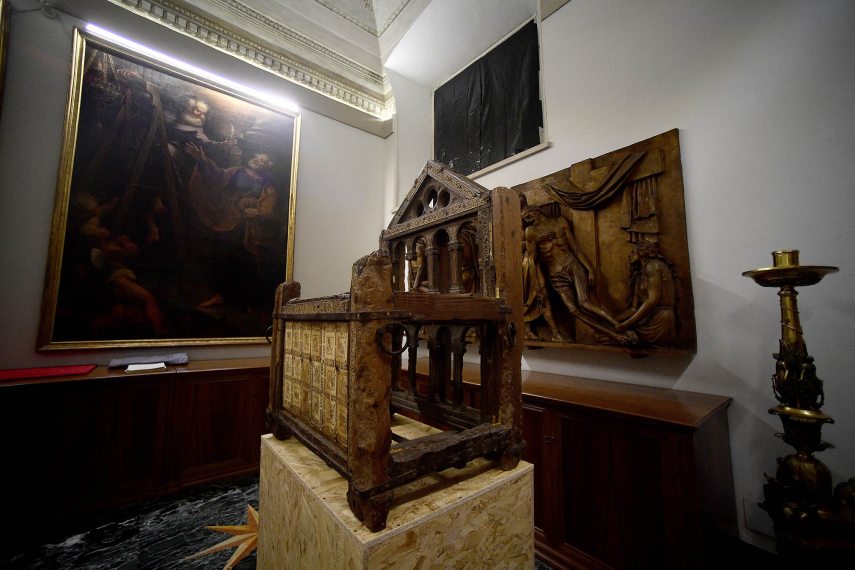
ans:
x=439 y=240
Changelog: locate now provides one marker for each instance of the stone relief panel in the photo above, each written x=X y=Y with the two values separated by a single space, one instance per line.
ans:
x=605 y=253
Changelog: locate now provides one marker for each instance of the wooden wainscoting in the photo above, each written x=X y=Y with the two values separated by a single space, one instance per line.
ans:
x=73 y=446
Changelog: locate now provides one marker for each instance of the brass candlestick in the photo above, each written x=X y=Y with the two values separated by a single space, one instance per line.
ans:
x=799 y=499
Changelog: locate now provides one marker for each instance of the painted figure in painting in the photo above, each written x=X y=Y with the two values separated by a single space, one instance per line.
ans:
x=237 y=206
x=195 y=123
x=112 y=257
x=653 y=296
x=189 y=124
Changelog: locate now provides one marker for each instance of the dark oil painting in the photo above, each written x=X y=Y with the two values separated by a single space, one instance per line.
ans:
x=174 y=215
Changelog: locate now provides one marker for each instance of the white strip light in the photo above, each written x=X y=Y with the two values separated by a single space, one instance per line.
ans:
x=272 y=100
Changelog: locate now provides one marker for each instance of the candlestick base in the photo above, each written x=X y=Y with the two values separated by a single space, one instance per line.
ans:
x=807 y=516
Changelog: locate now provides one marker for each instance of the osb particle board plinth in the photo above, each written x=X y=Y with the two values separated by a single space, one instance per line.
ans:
x=476 y=517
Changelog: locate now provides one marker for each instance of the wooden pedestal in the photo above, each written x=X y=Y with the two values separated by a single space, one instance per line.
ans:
x=476 y=517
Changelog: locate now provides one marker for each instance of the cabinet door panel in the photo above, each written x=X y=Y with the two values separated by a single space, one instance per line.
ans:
x=126 y=436
x=533 y=453
x=613 y=492
x=585 y=471
x=216 y=427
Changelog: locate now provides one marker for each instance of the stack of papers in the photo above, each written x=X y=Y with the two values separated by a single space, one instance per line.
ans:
x=161 y=359
x=146 y=367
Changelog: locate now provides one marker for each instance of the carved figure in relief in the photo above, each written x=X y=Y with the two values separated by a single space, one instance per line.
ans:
x=418 y=268
x=550 y=243
x=653 y=296
x=469 y=259
x=535 y=298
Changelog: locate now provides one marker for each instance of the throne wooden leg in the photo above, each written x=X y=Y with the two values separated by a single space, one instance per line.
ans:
x=509 y=460
x=372 y=511
x=277 y=426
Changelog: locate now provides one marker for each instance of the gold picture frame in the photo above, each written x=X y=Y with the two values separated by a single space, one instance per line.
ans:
x=5 y=12
x=174 y=213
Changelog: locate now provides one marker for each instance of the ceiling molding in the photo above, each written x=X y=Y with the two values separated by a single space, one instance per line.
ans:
x=300 y=41
x=370 y=27
x=549 y=7
x=374 y=28
x=342 y=79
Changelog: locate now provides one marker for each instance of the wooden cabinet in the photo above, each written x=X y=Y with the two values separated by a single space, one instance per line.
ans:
x=632 y=476
x=220 y=417
x=75 y=445
x=626 y=476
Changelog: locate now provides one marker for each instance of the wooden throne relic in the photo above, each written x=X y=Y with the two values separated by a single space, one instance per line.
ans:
x=447 y=271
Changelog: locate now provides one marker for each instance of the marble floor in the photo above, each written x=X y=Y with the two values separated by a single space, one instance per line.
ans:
x=156 y=535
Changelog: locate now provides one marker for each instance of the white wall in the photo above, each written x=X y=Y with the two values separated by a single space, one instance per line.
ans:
x=340 y=198
x=764 y=96
x=413 y=118
x=340 y=186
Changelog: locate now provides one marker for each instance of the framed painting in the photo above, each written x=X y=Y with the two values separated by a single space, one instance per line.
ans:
x=174 y=215
x=5 y=12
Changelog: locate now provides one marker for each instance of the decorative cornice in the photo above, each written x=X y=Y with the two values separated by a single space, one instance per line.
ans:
x=393 y=16
x=355 y=21
x=331 y=304
x=280 y=63
x=373 y=30
x=446 y=214
x=296 y=38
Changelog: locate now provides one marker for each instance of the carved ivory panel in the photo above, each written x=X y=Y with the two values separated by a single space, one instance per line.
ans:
x=605 y=254
x=315 y=376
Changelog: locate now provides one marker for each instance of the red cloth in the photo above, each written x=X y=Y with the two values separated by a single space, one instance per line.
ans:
x=46 y=372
